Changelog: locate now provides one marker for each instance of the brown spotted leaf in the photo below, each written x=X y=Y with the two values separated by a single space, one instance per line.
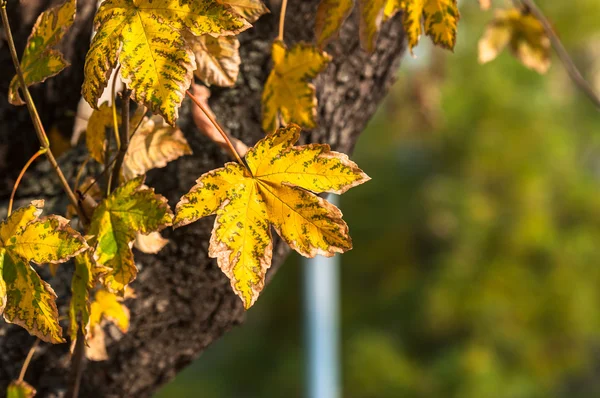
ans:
x=251 y=10
x=25 y=299
x=278 y=189
x=147 y=37
x=331 y=14
x=217 y=58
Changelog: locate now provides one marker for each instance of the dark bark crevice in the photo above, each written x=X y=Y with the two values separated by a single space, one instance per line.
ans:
x=183 y=302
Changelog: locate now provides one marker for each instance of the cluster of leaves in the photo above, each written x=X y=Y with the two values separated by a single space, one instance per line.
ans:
x=157 y=47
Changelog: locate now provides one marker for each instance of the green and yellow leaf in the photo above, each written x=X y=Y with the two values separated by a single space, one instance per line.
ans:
x=26 y=299
x=153 y=146
x=331 y=14
x=147 y=37
x=40 y=61
x=277 y=190
x=251 y=10
x=20 y=389
x=131 y=208
x=109 y=306
x=436 y=18
x=100 y=121
x=371 y=16
x=523 y=33
x=289 y=96
x=217 y=59
x=82 y=283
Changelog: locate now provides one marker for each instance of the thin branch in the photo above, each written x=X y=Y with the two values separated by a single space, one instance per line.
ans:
x=33 y=113
x=28 y=359
x=77 y=364
x=124 y=136
x=114 y=107
x=21 y=174
x=562 y=53
x=217 y=126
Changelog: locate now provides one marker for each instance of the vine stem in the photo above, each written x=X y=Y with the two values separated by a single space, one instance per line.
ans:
x=114 y=106
x=282 y=19
x=28 y=359
x=33 y=113
x=562 y=53
x=124 y=137
x=217 y=126
x=20 y=177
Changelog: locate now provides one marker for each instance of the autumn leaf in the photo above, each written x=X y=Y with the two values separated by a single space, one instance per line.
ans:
x=278 y=189
x=40 y=61
x=147 y=38
x=251 y=10
x=437 y=18
x=129 y=209
x=25 y=299
x=392 y=7
x=217 y=59
x=151 y=243
x=288 y=95
x=331 y=14
x=83 y=281
x=106 y=307
x=20 y=389
x=153 y=146
x=371 y=16
x=524 y=35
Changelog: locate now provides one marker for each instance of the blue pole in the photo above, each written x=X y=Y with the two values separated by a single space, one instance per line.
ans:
x=321 y=287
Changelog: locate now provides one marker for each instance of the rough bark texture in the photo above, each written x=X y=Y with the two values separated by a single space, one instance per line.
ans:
x=183 y=302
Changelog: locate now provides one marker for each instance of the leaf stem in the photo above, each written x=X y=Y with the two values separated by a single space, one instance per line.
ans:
x=562 y=53
x=124 y=136
x=33 y=113
x=217 y=126
x=77 y=365
x=282 y=19
x=21 y=174
x=28 y=359
x=114 y=106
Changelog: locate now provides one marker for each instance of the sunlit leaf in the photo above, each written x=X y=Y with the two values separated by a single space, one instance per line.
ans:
x=20 y=389
x=289 y=96
x=523 y=33
x=251 y=10
x=147 y=38
x=131 y=208
x=151 y=243
x=371 y=16
x=436 y=18
x=153 y=146
x=25 y=298
x=40 y=61
x=217 y=58
x=81 y=284
x=279 y=192
x=107 y=307
x=331 y=14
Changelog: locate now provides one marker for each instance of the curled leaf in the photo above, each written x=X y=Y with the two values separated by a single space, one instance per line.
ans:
x=217 y=59
x=40 y=61
x=331 y=14
x=151 y=243
x=251 y=10
x=278 y=189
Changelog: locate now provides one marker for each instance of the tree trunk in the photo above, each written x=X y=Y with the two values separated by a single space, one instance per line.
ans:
x=184 y=302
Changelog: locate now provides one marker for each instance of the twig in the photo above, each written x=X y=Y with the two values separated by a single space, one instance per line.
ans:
x=562 y=53
x=77 y=365
x=21 y=174
x=282 y=19
x=28 y=359
x=35 y=117
x=124 y=136
x=217 y=126
x=114 y=107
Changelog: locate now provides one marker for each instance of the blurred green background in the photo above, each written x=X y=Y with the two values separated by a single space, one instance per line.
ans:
x=476 y=266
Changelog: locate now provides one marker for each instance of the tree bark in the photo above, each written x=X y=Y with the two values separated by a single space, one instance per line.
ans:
x=184 y=302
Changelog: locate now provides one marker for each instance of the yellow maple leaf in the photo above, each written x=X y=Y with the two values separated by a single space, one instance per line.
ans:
x=131 y=208
x=288 y=95
x=148 y=38
x=523 y=33
x=218 y=59
x=251 y=10
x=20 y=389
x=277 y=189
x=153 y=146
x=25 y=299
x=84 y=279
x=331 y=14
x=437 y=18
x=40 y=61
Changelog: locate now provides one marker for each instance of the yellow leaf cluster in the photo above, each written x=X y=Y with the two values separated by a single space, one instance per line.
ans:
x=40 y=61
x=277 y=189
x=25 y=299
x=522 y=33
x=289 y=96
x=436 y=18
